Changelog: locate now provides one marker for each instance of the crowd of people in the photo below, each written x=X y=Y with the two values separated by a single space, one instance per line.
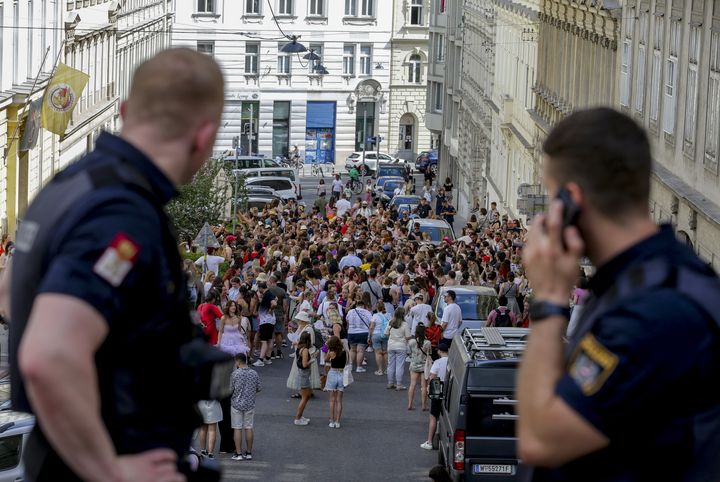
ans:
x=337 y=290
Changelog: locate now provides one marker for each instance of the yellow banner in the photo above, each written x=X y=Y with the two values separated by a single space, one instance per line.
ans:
x=61 y=97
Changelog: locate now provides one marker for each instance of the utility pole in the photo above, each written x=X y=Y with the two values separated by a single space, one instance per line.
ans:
x=251 y=136
x=364 y=141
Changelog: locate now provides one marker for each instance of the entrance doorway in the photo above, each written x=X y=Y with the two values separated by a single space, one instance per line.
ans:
x=406 y=147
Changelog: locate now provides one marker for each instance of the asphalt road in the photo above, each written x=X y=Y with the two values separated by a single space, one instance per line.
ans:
x=379 y=438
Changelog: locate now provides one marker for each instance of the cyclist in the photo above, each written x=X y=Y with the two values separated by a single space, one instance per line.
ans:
x=354 y=175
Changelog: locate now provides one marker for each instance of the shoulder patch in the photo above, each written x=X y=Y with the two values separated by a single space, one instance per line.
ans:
x=117 y=260
x=591 y=365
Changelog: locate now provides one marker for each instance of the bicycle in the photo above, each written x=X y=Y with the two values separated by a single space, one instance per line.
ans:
x=355 y=186
x=317 y=171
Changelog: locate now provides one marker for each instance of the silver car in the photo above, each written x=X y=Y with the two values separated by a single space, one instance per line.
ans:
x=475 y=302
x=282 y=186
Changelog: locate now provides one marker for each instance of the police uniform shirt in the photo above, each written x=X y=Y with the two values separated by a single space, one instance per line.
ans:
x=640 y=374
x=109 y=252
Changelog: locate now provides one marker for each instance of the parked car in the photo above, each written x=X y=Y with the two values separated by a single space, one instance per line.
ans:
x=385 y=187
x=371 y=161
x=278 y=172
x=427 y=160
x=475 y=302
x=394 y=169
x=405 y=200
x=475 y=435
x=438 y=229
x=282 y=186
x=249 y=162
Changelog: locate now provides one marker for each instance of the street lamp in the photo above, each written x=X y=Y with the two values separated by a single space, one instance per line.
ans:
x=236 y=173
x=293 y=47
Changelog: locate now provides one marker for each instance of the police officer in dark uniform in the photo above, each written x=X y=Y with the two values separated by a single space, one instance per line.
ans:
x=98 y=303
x=633 y=396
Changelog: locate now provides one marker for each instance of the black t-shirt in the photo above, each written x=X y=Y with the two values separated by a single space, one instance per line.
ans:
x=339 y=361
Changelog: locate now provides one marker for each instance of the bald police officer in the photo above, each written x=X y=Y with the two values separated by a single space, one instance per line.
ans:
x=98 y=305
x=633 y=396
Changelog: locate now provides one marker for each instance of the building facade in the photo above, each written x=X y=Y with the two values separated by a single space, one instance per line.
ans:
x=669 y=81
x=36 y=35
x=276 y=100
x=408 y=134
x=513 y=160
x=437 y=23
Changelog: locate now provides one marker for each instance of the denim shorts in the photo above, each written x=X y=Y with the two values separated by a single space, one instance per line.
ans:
x=357 y=339
x=334 y=381
x=379 y=342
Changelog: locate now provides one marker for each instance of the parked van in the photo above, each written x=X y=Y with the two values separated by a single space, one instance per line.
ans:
x=282 y=186
x=276 y=172
x=249 y=162
x=475 y=436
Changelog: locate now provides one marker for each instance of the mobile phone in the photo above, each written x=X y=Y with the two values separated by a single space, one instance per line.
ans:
x=570 y=209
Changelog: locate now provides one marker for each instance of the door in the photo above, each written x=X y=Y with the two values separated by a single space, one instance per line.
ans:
x=406 y=141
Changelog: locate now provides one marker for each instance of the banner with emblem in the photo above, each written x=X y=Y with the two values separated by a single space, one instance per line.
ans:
x=61 y=97
x=32 y=126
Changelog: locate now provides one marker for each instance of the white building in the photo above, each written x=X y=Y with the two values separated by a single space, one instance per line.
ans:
x=408 y=79
x=669 y=81
x=436 y=74
x=513 y=156
x=85 y=35
x=275 y=100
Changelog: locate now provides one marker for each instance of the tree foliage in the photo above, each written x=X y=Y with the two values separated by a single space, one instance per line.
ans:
x=203 y=200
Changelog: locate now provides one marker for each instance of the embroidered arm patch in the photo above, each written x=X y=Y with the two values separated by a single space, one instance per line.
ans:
x=591 y=365
x=117 y=260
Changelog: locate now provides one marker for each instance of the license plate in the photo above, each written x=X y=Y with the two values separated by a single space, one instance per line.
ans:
x=493 y=469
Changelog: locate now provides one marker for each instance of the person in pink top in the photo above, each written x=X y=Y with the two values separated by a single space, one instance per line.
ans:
x=502 y=317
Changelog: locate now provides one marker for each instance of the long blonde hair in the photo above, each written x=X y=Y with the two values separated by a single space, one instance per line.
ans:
x=398 y=317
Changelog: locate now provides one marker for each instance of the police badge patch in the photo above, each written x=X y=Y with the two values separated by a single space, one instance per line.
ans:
x=117 y=260
x=591 y=365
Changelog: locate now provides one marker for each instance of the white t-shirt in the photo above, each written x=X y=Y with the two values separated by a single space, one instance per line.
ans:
x=439 y=367
x=210 y=263
x=323 y=307
x=452 y=315
x=342 y=206
x=337 y=185
x=378 y=320
x=418 y=314
x=359 y=320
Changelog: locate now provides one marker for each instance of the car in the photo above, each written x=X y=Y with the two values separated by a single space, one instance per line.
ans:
x=282 y=186
x=385 y=187
x=475 y=435
x=371 y=161
x=15 y=428
x=394 y=169
x=248 y=162
x=276 y=171
x=405 y=200
x=438 y=229
x=475 y=302
x=257 y=201
x=427 y=160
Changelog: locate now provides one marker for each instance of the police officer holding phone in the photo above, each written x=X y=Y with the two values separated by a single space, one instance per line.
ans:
x=633 y=396
x=100 y=326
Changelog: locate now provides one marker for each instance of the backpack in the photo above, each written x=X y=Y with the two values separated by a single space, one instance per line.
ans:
x=502 y=318
x=318 y=339
x=384 y=325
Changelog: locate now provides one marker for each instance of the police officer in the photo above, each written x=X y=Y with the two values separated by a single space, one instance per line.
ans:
x=633 y=396
x=98 y=306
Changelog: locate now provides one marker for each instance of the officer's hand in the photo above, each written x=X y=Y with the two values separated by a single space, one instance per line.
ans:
x=552 y=270
x=159 y=465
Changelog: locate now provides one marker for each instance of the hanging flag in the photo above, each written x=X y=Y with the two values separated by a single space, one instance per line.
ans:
x=61 y=97
x=32 y=126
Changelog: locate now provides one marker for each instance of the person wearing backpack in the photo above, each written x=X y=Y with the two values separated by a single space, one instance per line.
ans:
x=378 y=340
x=502 y=317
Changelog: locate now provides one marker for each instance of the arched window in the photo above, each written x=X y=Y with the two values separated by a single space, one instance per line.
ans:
x=414 y=65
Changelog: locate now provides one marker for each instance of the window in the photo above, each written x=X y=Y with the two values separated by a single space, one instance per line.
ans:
x=359 y=8
x=692 y=86
x=437 y=93
x=640 y=77
x=281 y=130
x=712 y=127
x=317 y=49
x=440 y=47
x=656 y=70
x=366 y=59
x=670 y=102
x=252 y=54
x=205 y=6
x=284 y=61
x=285 y=7
x=316 y=8
x=414 y=65
x=416 y=12
x=349 y=60
x=252 y=7
x=206 y=47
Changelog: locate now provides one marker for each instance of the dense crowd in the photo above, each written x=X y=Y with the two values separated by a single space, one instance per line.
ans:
x=343 y=290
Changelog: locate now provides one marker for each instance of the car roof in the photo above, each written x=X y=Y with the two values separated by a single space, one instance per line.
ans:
x=467 y=290
x=268 y=178
x=407 y=197
x=440 y=223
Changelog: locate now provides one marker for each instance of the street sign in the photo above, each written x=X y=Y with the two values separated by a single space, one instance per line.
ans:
x=206 y=239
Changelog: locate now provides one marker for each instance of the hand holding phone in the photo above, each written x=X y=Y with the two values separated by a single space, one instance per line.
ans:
x=570 y=212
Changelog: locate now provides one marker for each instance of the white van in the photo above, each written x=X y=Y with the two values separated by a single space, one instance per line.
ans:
x=276 y=172
x=282 y=186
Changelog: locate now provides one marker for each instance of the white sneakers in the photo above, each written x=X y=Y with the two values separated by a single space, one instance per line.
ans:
x=259 y=363
x=360 y=370
x=302 y=421
x=378 y=372
x=426 y=446
x=334 y=425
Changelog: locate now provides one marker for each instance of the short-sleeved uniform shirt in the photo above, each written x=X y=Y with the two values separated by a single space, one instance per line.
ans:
x=640 y=374
x=109 y=252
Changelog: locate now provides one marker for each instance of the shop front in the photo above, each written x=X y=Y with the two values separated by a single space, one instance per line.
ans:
x=320 y=133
